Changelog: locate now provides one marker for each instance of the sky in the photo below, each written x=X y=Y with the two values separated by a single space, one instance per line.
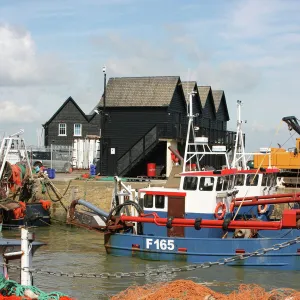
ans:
x=50 y=50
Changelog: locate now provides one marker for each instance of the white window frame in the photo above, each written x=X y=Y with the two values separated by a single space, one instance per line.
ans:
x=80 y=129
x=59 y=127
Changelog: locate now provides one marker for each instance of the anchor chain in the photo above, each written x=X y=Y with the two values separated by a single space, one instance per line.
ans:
x=155 y=272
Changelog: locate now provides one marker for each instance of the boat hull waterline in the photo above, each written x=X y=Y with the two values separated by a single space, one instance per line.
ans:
x=204 y=250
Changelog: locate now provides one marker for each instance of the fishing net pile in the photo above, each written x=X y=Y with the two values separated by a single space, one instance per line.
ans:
x=11 y=290
x=189 y=290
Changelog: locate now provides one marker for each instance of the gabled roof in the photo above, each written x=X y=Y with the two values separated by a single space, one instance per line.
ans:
x=203 y=93
x=188 y=86
x=140 y=91
x=219 y=96
x=70 y=99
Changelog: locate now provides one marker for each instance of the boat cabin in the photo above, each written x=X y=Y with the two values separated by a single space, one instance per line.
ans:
x=255 y=182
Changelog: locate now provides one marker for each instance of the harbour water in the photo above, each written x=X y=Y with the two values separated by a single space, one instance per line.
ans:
x=76 y=250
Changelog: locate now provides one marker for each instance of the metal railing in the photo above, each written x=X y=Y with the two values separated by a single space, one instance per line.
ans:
x=56 y=157
x=169 y=131
x=138 y=150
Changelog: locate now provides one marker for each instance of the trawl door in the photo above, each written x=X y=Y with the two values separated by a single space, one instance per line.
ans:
x=176 y=209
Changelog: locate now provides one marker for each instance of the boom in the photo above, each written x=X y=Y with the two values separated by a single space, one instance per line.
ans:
x=292 y=123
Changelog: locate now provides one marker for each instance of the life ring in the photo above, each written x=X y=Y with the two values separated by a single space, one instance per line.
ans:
x=262 y=208
x=219 y=206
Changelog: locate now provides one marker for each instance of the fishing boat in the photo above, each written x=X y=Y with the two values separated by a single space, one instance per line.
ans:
x=18 y=187
x=207 y=218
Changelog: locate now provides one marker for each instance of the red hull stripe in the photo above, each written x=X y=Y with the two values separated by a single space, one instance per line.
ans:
x=253 y=171
x=224 y=172
x=165 y=193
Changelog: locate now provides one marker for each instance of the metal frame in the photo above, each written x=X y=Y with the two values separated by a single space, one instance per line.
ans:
x=6 y=147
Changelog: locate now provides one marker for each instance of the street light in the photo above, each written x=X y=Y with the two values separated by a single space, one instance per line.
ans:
x=103 y=119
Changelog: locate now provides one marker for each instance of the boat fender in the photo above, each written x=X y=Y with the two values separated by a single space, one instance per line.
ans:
x=221 y=215
x=169 y=222
x=262 y=208
x=197 y=224
x=226 y=224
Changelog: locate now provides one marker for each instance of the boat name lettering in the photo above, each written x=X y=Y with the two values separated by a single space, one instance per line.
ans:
x=160 y=244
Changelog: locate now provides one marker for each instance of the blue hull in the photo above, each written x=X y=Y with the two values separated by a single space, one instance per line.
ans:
x=202 y=250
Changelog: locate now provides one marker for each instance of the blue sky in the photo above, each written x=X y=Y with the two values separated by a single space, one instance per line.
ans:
x=50 y=50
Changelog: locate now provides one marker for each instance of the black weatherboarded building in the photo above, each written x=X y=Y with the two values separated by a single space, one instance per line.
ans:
x=143 y=117
x=141 y=112
x=70 y=122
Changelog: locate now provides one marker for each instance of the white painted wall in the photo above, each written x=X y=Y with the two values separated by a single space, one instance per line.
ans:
x=85 y=152
x=169 y=162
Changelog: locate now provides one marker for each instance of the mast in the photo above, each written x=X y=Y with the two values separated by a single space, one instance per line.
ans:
x=189 y=130
x=239 y=149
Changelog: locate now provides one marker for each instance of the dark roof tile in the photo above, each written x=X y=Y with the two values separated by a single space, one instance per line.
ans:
x=140 y=91
x=203 y=93
x=188 y=86
x=217 y=95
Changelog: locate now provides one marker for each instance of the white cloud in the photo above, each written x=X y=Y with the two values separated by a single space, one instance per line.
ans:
x=248 y=48
x=21 y=65
x=10 y=112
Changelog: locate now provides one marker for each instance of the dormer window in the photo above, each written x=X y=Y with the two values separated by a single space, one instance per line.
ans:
x=62 y=129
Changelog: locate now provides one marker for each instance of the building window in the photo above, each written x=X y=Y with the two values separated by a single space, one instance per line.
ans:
x=62 y=129
x=77 y=129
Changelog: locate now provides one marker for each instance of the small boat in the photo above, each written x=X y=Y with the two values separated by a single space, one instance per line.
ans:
x=18 y=204
x=210 y=218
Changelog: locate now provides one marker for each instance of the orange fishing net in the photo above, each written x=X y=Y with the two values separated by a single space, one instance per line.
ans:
x=189 y=290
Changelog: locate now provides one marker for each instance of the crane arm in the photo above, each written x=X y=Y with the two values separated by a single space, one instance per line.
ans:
x=292 y=123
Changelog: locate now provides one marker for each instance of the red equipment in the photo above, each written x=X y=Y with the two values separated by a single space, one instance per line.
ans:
x=290 y=218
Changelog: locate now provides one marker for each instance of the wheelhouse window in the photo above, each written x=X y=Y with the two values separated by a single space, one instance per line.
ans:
x=268 y=180
x=148 y=201
x=62 y=129
x=206 y=184
x=77 y=129
x=239 y=180
x=265 y=180
x=252 y=180
x=159 y=201
x=222 y=183
x=190 y=183
x=219 y=184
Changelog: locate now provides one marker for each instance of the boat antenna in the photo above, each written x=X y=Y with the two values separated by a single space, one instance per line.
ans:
x=239 y=148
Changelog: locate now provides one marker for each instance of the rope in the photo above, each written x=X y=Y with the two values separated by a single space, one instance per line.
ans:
x=11 y=287
x=56 y=192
